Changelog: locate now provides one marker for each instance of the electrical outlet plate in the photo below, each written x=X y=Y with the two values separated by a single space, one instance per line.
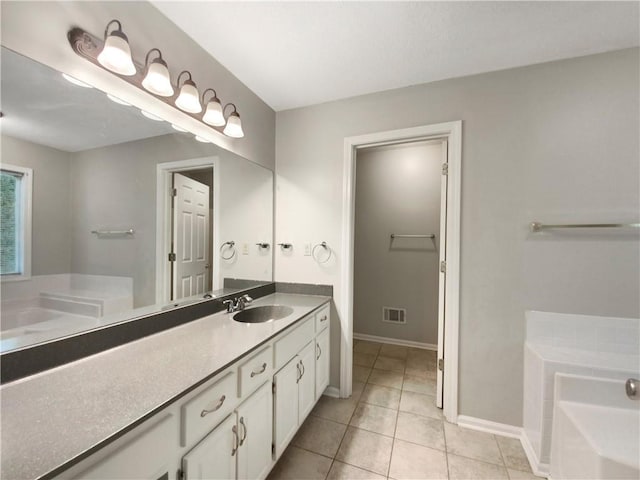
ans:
x=245 y=249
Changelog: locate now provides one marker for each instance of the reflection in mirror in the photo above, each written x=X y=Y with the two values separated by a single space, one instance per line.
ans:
x=126 y=214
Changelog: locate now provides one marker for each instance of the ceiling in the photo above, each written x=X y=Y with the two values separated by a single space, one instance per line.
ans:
x=293 y=54
x=40 y=106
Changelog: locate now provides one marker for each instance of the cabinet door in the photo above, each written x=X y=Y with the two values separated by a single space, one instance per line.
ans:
x=307 y=383
x=285 y=411
x=215 y=455
x=255 y=429
x=322 y=362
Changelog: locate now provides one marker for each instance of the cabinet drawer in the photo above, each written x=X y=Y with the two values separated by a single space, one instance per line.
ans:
x=207 y=409
x=322 y=318
x=292 y=343
x=255 y=371
x=145 y=456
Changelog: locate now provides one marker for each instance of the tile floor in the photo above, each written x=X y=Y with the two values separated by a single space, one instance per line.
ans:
x=391 y=429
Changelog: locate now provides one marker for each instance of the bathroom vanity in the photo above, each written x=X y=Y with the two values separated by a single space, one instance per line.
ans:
x=213 y=398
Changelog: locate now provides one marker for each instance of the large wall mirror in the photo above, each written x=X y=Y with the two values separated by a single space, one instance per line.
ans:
x=109 y=215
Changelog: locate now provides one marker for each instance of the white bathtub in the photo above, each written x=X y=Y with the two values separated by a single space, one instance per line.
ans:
x=596 y=430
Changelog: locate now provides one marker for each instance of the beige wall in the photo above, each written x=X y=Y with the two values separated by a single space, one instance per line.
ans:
x=555 y=141
x=39 y=30
x=51 y=217
x=397 y=191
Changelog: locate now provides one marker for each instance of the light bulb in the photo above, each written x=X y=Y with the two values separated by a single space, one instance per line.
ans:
x=189 y=100
x=116 y=54
x=202 y=139
x=179 y=129
x=151 y=116
x=117 y=100
x=75 y=81
x=234 y=126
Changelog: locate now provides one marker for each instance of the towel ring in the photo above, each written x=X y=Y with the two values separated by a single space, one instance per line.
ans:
x=326 y=247
x=230 y=246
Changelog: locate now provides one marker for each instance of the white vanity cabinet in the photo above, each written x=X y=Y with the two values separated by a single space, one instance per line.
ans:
x=322 y=362
x=234 y=426
x=240 y=447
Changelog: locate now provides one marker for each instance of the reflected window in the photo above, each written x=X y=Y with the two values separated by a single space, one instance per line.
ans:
x=15 y=222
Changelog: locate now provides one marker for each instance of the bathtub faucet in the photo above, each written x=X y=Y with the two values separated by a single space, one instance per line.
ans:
x=632 y=388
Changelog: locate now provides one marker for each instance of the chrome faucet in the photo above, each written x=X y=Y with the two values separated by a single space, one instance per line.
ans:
x=237 y=304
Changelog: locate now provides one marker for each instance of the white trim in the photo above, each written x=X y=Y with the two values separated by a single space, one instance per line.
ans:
x=487 y=426
x=453 y=132
x=395 y=341
x=505 y=430
x=332 y=392
x=163 y=211
x=538 y=468
x=26 y=214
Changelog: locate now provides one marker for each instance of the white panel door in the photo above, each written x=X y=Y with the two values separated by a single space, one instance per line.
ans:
x=322 y=362
x=307 y=383
x=215 y=456
x=285 y=419
x=255 y=429
x=190 y=237
x=442 y=277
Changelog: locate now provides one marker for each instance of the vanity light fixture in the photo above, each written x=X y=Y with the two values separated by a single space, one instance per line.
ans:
x=213 y=113
x=117 y=100
x=116 y=53
x=151 y=116
x=157 y=79
x=188 y=98
x=234 y=124
x=113 y=53
x=75 y=81
x=179 y=129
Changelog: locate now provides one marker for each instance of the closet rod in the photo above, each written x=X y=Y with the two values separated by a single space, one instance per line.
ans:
x=426 y=235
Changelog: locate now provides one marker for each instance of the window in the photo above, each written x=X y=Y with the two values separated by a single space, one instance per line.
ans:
x=15 y=222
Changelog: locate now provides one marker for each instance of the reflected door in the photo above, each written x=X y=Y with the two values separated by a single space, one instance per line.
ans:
x=190 y=237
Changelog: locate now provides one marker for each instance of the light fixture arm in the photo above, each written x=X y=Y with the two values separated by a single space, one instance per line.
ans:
x=146 y=59
x=235 y=110
x=215 y=95
x=180 y=76
x=106 y=30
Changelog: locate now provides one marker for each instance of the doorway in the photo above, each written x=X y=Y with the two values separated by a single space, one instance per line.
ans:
x=448 y=249
x=399 y=244
x=186 y=229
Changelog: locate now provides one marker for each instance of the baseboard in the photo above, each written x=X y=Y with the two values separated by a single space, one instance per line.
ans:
x=332 y=392
x=505 y=430
x=488 y=426
x=395 y=341
x=538 y=468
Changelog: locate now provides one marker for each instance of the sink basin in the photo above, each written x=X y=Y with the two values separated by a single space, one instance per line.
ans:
x=264 y=313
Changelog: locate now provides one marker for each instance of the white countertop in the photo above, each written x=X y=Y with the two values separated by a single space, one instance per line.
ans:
x=51 y=418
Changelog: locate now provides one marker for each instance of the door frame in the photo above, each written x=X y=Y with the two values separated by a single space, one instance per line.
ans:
x=164 y=173
x=452 y=132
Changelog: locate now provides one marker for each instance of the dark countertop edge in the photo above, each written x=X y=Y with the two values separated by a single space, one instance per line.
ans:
x=24 y=362
x=103 y=443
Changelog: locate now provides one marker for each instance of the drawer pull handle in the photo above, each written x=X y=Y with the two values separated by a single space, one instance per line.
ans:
x=303 y=369
x=299 y=372
x=234 y=448
x=264 y=367
x=319 y=351
x=204 y=413
x=323 y=318
x=244 y=431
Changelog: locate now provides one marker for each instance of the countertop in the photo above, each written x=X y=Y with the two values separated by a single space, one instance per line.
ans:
x=51 y=419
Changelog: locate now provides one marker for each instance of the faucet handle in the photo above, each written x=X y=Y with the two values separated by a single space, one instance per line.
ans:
x=247 y=298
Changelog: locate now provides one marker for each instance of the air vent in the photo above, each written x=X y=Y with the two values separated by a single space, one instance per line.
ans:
x=394 y=315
